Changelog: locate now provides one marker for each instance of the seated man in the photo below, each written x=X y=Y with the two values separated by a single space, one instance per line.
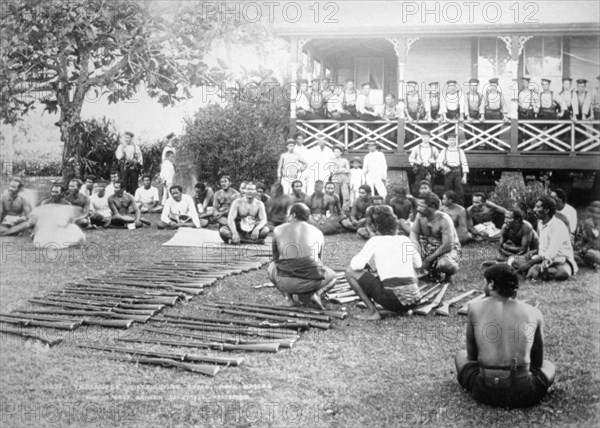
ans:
x=395 y=257
x=120 y=204
x=14 y=209
x=437 y=238
x=368 y=231
x=222 y=201
x=555 y=258
x=56 y=196
x=260 y=192
x=424 y=186
x=277 y=206
x=78 y=199
x=100 y=212
x=297 y=194
x=297 y=267
x=403 y=206
x=587 y=246
x=179 y=211
x=504 y=372
x=146 y=197
x=203 y=200
x=517 y=236
x=564 y=211
x=316 y=204
x=110 y=189
x=88 y=187
x=458 y=215
x=359 y=208
x=333 y=211
x=247 y=220
x=484 y=216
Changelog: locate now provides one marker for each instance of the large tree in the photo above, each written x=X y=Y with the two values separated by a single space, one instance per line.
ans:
x=60 y=52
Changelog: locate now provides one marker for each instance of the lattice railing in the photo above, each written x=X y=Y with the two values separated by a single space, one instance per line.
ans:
x=558 y=136
x=352 y=135
x=586 y=136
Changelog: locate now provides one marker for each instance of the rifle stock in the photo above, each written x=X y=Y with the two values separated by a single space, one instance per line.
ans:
x=85 y=321
x=299 y=325
x=92 y=313
x=424 y=310
x=280 y=313
x=255 y=347
x=29 y=335
x=444 y=308
x=33 y=323
x=328 y=312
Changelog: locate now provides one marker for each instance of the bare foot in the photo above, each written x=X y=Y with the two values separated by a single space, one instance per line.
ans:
x=317 y=299
x=369 y=316
x=288 y=301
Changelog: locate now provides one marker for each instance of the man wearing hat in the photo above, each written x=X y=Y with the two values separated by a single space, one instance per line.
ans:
x=304 y=110
x=363 y=104
x=582 y=101
x=549 y=106
x=565 y=99
x=596 y=100
x=414 y=106
x=432 y=102
x=472 y=108
x=423 y=160
x=290 y=166
x=130 y=160
x=528 y=100
x=375 y=169
x=493 y=105
x=451 y=104
x=357 y=178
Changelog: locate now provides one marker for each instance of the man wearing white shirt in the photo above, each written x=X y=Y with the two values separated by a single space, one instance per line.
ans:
x=146 y=197
x=452 y=161
x=363 y=104
x=167 y=174
x=555 y=258
x=100 y=213
x=395 y=257
x=423 y=159
x=130 y=160
x=179 y=211
x=375 y=169
x=110 y=189
x=320 y=164
x=560 y=197
x=304 y=111
x=301 y=150
x=168 y=146
x=451 y=102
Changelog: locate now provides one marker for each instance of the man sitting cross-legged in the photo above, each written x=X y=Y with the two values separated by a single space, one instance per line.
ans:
x=297 y=267
x=395 y=257
x=506 y=368
x=247 y=220
x=56 y=196
x=587 y=245
x=100 y=213
x=458 y=214
x=316 y=204
x=146 y=197
x=517 y=236
x=203 y=200
x=78 y=199
x=483 y=216
x=359 y=209
x=277 y=206
x=437 y=238
x=179 y=211
x=368 y=231
x=333 y=212
x=222 y=201
x=121 y=203
x=297 y=194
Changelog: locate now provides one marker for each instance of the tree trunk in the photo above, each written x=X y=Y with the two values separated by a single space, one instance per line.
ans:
x=70 y=115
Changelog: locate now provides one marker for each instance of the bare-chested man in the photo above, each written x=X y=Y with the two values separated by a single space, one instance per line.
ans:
x=505 y=368
x=121 y=203
x=247 y=220
x=290 y=166
x=587 y=246
x=223 y=199
x=484 y=216
x=316 y=204
x=458 y=214
x=517 y=236
x=369 y=231
x=437 y=238
x=56 y=196
x=14 y=209
x=359 y=209
x=78 y=199
x=277 y=206
x=297 y=194
x=333 y=211
x=297 y=249
x=403 y=206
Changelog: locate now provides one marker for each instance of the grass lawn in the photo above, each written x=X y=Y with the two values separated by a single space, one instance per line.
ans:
x=396 y=372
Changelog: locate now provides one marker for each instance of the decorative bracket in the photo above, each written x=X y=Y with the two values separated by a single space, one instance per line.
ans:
x=301 y=43
x=409 y=43
x=395 y=41
x=508 y=42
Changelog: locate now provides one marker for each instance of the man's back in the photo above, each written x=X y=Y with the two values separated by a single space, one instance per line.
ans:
x=298 y=239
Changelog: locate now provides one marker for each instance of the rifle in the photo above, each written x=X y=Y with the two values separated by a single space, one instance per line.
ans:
x=283 y=312
x=259 y=315
x=29 y=335
x=444 y=309
x=187 y=289
x=300 y=325
x=331 y=313
x=426 y=296
x=342 y=300
x=341 y=294
x=76 y=304
x=123 y=298
x=33 y=323
x=424 y=310
x=179 y=357
x=126 y=291
x=464 y=308
x=164 y=362
x=86 y=321
x=87 y=310
x=255 y=347
x=112 y=302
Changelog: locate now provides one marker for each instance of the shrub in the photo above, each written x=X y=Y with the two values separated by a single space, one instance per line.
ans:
x=511 y=192
x=243 y=140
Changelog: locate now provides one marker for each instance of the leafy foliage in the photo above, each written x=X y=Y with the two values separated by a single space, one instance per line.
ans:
x=243 y=140
x=512 y=192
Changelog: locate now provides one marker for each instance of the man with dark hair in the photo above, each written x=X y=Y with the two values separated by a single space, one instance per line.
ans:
x=395 y=257
x=560 y=196
x=505 y=368
x=121 y=203
x=203 y=200
x=297 y=266
x=458 y=214
x=423 y=159
x=56 y=196
x=290 y=166
x=424 y=187
x=304 y=110
x=340 y=176
x=587 y=246
x=247 y=220
x=260 y=192
x=434 y=231
x=146 y=196
x=364 y=108
x=483 y=216
x=297 y=194
x=555 y=258
x=517 y=236
x=74 y=197
x=375 y=169
x=403 y=206
x=359 y=209
x=452 y=162
x=130 y=160
x=316 y=204
x=100 y=213
x=377 y=205
x=14 y=209
x=277 y=206
x=223 y=199
x=350 y=96
x=89 y=185
x=110 y=189
x=179 y=211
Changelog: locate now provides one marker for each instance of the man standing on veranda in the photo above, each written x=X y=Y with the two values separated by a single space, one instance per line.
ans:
x=395 y=257
x=247 y=219
x=375 y=169
x=130 y=160
x=505 y=368
x=297 y=267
